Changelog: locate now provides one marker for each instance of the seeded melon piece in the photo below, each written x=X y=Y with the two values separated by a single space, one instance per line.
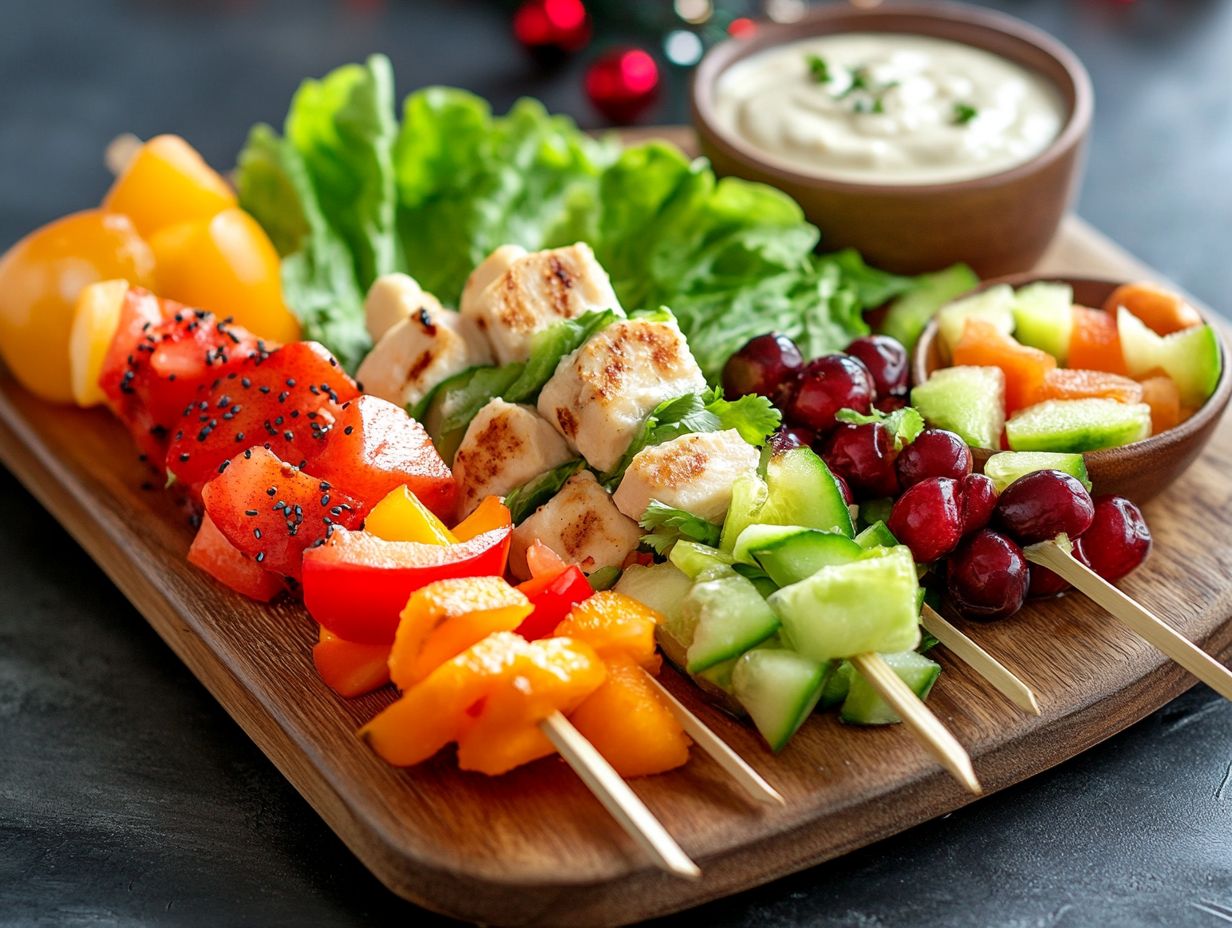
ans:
x=994 y=305
x=1078 y=425
x=1191 y=357
x=969 y=401
x=1007 y=466
x=1044 y=317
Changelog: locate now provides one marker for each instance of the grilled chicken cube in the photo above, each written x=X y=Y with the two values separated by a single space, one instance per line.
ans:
x=534 y=293
x=581 y=524
x=505 y=446
x=416 y=354
x=391 y=299
x=693 y=472
x=490 y=268
x=601 y=393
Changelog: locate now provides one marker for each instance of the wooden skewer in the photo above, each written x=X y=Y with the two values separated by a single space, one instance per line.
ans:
x=717 y=748
x=1149 y=626
x=629 y=811
x=919 y=718
x=979 y=660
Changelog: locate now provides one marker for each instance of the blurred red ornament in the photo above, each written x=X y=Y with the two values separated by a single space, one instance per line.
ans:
x=741 y=28
x=552 y=28
x=622 y=83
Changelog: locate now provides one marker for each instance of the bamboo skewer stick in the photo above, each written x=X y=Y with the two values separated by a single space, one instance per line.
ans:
x=1152 y=629
x=731 y=762
x=992 y=670
x=623 y=804
x=919 y=718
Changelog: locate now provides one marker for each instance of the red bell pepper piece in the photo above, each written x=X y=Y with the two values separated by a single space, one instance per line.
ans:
x=552 y=598
x=356 y=584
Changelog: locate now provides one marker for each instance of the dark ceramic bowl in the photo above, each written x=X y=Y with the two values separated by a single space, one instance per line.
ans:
x=1139 y=470
x=998 y=224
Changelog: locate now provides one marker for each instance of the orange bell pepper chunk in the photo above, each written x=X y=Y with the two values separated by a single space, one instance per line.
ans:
x=165 y=183
x=488 y=515
x=629 y=722
x=444 y=618
x=543 y=561
x=1070 y=384
x=486 y=699
x=349 y=668
x=1162 y=395
x=400 y=516
x=1094 y=343
x=1162 y=310
x=614 y=624
x=984 y=345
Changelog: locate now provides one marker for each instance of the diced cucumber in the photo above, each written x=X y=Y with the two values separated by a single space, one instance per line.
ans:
x=749 y=494
x=1191 y=357
x=802 y=491
x=866 y=605
x=761 y=536
x=721 y=619
x=908 y=314
x=995 y=305
x=1078 y=425
x=790 y=558
x=837 y=686
x=876 y=510
x=778 y=689
x=1005 y=467
x=661 y=587
x=864 y=705
x=720 y=675
x=969 y=401
x=877 y=535
x=696 y=559
x=1044 y=317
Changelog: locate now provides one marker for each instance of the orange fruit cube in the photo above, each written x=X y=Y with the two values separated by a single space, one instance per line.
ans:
x=1094 y=343
x=984 y=345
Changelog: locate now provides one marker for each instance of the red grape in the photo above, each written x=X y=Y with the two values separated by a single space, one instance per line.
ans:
x=766 y=365
x=886 y=360
x=1042 y=505
x=788 y=437
x=1045 y=583
x=934 y=453
x=1117 y=541
x=828 y=384
x=978 y=496
x=863 y=455
x=927 y=519
x=987 y=577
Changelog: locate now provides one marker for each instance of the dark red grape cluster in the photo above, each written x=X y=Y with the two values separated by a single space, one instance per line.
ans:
x=951 y=518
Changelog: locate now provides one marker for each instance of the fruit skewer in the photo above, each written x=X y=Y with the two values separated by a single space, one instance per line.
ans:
x=1000 y=677
x=1130 y=613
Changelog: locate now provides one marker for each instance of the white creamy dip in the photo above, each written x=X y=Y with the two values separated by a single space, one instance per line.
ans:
x=888 y=108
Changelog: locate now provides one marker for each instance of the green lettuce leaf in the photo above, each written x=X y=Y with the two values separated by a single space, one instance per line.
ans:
x=665 y=526
x=549 y=346
x=523 y=501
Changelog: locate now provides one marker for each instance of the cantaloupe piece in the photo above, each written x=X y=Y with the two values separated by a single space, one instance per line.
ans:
x=984 y=345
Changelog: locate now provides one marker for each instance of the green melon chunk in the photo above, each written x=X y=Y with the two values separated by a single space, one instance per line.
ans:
x=1191 y=357
x=1007 y=466
x=1078 y=425
x=969 y=401
x=1044 y=317
x=995 y=305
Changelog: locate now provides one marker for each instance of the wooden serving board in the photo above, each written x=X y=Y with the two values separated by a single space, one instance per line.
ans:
x=534 y=847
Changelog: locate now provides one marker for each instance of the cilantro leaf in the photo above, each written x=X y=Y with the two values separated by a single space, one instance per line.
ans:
x=524 y=500
x=549 y=346
x=964 y=113
x=902 y=424
x=667 y=525
x=819 y=68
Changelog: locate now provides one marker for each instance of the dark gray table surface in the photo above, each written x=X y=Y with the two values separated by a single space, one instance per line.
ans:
x=127 y=795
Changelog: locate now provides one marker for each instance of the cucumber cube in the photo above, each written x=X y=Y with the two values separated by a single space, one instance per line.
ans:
x=877 y=535
x=695 y=559
x=778 y=689
x=848 y=609
x=760 y=536
x=791 y=558
x=837 y=686
x=721 y=619
x=1078 y=425
x=749 y=494
x=661 y=587
x=864 y=705
x=995 y=305
x=802 y=491
x=1191 y=357
x=908 y=314
x=1044 y=317
x=1005 y=467
x=969 y=401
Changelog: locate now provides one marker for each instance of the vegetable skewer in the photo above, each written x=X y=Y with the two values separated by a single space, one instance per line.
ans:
x=1145 y=624
x=979 y=660
x=731 y=762
x=919 y=718
x=616 y=796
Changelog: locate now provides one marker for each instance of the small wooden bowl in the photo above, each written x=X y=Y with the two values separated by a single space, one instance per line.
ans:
x=998 y=224
x=1140 y=470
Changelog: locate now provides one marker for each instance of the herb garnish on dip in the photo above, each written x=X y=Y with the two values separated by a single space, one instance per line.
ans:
x=888 y=108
